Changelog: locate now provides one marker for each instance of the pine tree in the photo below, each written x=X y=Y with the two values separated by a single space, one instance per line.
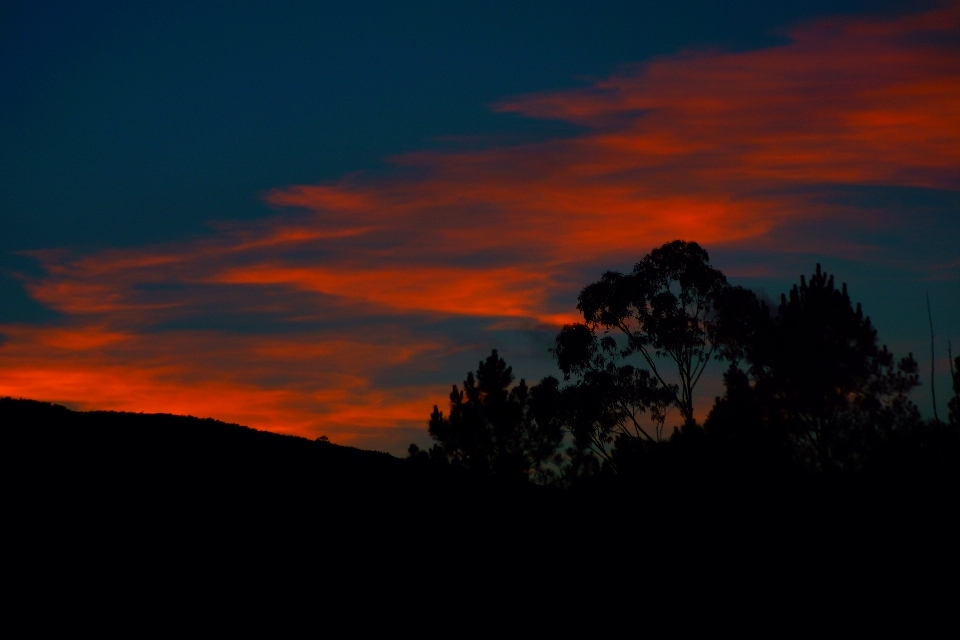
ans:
x=494 y=428
x=821 y=373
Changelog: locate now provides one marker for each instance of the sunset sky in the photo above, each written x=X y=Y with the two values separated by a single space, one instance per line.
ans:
x=313 y=218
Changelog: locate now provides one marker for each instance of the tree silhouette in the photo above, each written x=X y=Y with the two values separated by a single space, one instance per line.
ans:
x=737 y=415
x=740 y=434
x=610 y=401
x=496 y=428
x=820 y=372
x=674 y=305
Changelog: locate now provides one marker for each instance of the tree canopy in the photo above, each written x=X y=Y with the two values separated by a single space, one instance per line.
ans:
x=497 y=428
x=673 y=306
x=822 y=373
x=807 y=386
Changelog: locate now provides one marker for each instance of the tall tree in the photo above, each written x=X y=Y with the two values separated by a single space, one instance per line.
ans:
x=494 y=427
x=822 y=374
x=675 y=307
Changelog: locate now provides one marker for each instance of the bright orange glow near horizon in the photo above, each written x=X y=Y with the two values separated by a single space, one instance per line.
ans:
x=355 y=296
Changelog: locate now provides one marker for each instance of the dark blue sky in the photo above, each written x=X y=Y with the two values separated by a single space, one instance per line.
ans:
x=126 y=126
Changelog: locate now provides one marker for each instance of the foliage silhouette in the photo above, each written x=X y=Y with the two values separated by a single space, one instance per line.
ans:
x=740 y=430
x=610 y=402
x=818 y=391
x=511 y=432
x=821 y=374
x=673 y=306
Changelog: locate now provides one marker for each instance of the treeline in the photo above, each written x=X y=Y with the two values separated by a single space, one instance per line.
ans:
x=811 y=484
x=808 y=388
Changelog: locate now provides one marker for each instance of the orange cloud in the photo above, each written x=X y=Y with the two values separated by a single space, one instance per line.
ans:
x=845 y=101
x=304 y=384
x=344 y=291
x=685 y=145
x=449 y=290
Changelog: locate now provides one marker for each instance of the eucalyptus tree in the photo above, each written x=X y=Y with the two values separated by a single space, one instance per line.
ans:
x=672 y=314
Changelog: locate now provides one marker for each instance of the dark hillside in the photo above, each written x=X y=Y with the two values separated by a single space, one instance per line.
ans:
x=54 y=439
x=83 y=485
x=148 y=461
x=89 y=486
x=135 y=497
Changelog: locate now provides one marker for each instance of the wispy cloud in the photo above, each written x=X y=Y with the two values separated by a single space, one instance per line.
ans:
x=289 y=323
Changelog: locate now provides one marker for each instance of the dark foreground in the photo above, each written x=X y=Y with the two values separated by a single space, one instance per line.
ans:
x=121 y=504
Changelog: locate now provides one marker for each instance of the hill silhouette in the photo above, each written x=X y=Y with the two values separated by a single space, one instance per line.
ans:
x=111 y=469
x=172 y=448
x=138 y=495
x=134 y=495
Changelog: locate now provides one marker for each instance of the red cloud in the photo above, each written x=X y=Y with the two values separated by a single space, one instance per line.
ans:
x=709 y=146
x=325 y=385
x=685 y=145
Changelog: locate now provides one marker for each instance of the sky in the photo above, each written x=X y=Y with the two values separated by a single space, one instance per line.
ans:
x=313 y=218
